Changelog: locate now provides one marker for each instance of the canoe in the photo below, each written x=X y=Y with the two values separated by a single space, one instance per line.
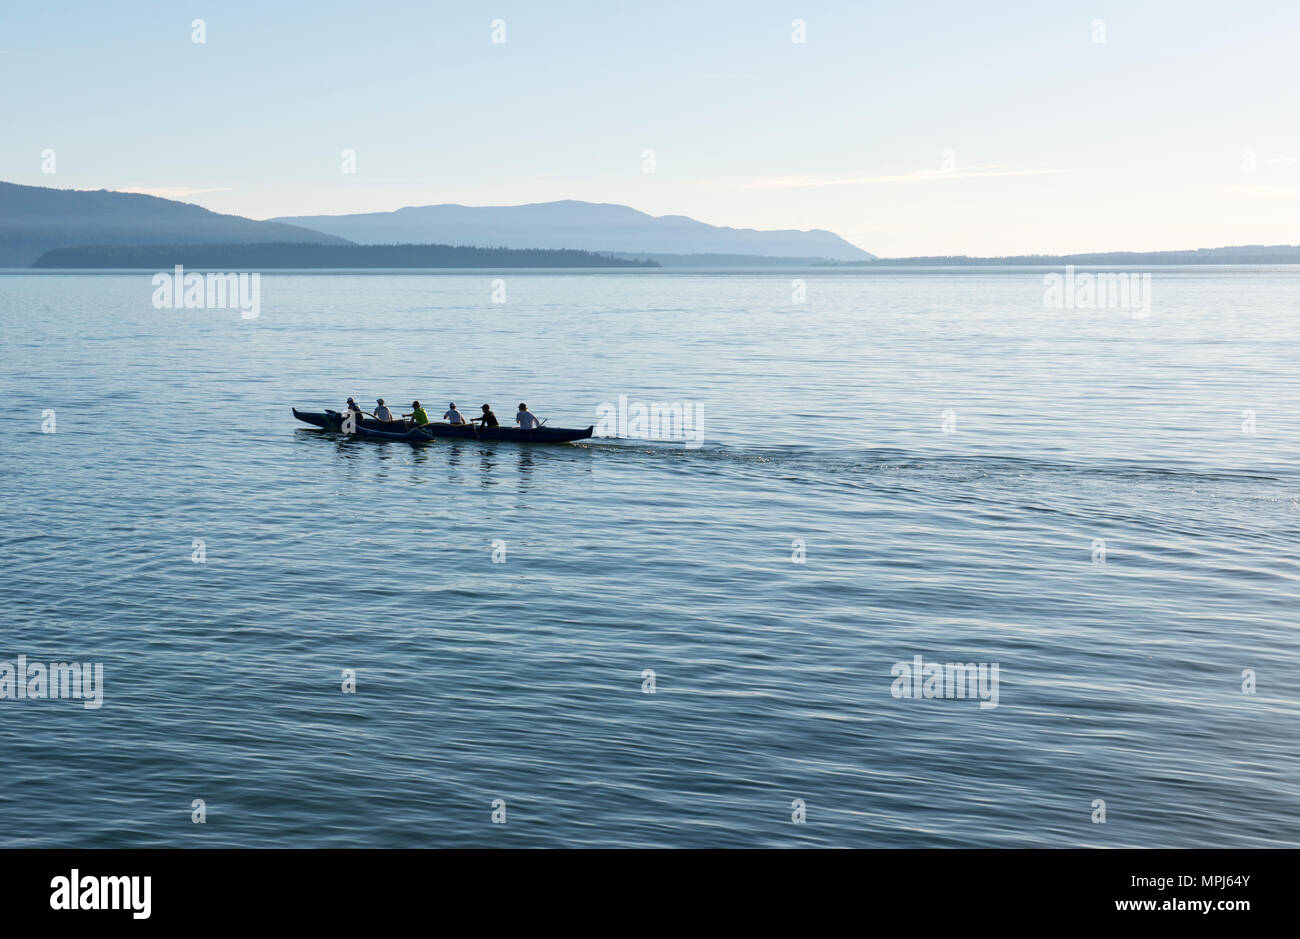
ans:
x=413 y=435
x=405 y=431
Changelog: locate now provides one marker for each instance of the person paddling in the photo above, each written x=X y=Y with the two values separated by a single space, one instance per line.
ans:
x=526 y=419
x=453 y=416
x=381 y=411
x=488 y=419
x=418 y=415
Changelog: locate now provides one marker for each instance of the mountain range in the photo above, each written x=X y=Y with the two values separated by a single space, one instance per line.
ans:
x=35 y=220
x=590 y=226
x=61 y=228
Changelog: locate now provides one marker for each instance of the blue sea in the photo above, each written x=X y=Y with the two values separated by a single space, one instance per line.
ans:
x=313 y=640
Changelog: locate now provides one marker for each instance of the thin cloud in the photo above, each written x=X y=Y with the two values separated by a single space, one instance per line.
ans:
x=1271 y=192
x=920 y=176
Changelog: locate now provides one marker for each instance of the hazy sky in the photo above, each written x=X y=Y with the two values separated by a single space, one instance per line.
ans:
x=908 y=128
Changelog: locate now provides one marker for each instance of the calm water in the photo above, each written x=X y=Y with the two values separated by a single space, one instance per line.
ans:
x=522 y=680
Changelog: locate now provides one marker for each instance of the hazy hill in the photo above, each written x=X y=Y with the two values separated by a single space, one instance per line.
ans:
x=34 y=219
x=570 y=224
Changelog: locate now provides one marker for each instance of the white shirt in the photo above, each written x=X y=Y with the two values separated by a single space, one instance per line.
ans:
x=526 y=420
x=454 y=416
x=383 y=413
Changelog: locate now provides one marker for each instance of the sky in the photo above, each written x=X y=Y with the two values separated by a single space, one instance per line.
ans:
x=908 y=128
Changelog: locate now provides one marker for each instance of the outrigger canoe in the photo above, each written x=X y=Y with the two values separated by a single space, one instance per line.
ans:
x=406 y=431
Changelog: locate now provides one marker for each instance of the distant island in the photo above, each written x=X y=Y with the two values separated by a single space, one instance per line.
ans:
x=63 y=229
x=1242 y=254
x=301 y=255
x=36 y=220
x=569 y=223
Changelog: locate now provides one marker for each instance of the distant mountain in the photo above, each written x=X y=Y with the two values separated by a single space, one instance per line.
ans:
x=251 y=257
x=34 y=219
x=589 y=226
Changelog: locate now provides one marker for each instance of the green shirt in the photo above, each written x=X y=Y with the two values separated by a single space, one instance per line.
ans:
x=419 y=416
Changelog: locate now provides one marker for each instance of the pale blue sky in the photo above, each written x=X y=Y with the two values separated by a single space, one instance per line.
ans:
x=1057 y=142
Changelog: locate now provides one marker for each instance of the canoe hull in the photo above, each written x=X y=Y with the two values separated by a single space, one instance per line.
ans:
x=401 y=430
x=403 y=436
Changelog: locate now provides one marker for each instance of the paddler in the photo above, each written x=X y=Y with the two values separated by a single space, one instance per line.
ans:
x=381 y=410
x=418 y=416
x=526 y=419
x=453 y=416
x=488 y=419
